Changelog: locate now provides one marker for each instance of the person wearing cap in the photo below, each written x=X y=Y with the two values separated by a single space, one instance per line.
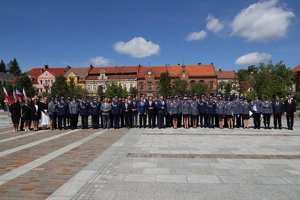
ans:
x=194 y=112
x=142 y=112
x=210 y=110
x=179 y=119
x=134 y=113
x=62 y=110
x=116 y=111
x=68 y=116
x=236 y=112
x=100 y=113
x=161 y=112
x=106 y=111
x=202 y=110
x=84 y=107
x=55 y=117
x=289 y=108
x=168 y=116
x=277 y=112
x=126 y=109
x=220 y=112
x=174 y=110
x=256 y=108
x=186 y=111
x=151 y=109
x=267 y=111
x=74 y=111
x=94 y=111
x=228 y=111
x=52 y=109
x=245 y=112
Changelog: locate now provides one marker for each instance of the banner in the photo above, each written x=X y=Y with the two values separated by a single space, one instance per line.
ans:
x=6 y=97
x=24 y=95
x=19 y=95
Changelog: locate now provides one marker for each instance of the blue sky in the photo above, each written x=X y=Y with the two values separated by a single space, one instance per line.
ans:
x=232 y=34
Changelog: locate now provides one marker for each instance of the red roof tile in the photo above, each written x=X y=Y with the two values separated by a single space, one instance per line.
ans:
x=121 y=77
x=157 y=71
x=296 y=69
x=111 y=70
x=193 y=70
x=225 y=74
x=81 y=72
x=57 y=71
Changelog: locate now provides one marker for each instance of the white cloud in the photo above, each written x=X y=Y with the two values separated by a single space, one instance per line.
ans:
x=100 y=61
x=262 y=21
x=138 y=47
x=252 y=58
x=213 y=24
x=196 y=36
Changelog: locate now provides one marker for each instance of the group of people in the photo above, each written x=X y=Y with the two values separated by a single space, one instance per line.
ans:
x=178 y=111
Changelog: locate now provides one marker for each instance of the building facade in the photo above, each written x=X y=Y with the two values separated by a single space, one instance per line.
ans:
x=225 y=76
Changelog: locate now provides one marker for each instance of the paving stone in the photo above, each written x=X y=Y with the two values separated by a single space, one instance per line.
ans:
x=140 y=177
x=156 y=171
x=171 y=178
x=202 y=179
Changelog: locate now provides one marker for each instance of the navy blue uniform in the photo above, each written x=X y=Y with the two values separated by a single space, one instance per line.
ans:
x=84 y=113
x=277 y=111
x=116 y=111
x=95 y=111
x=62 y=110
x=210 y=110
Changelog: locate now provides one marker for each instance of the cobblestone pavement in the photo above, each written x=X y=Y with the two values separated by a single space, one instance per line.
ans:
x=149 y=163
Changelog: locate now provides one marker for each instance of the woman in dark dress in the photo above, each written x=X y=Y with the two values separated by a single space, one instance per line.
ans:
x=15 y=113
x=35 y=114
x=26 y=113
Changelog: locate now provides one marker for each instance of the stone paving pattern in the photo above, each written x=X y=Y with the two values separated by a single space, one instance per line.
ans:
x=151 y=164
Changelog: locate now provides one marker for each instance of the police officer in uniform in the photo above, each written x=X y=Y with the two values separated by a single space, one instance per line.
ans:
x=267 y=110
x=174 y=109
x=236 y=112
x=202 y=110
x=257 y=110
x=116 y=112
x=194 y=112
x=74 y=110
x=84 y=107
x=95 y=110
x=62 y=110
x=52 y=109
x=210 y=110
x=179 y=120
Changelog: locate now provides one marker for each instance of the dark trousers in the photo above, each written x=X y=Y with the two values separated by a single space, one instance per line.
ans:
x=74 y=121
x=84 y=121
x=277 y=119
x=216 y=120
x=237 y=119
x=100 y=121
x=55 y=120
x=122 y=120
x=106 y=121
x=168 y=120
x=267 y=120
x=111 y=121
x=134 y=117
x=160 y=120
x=95 y=121
x=256 y=120
x=290 y=120
x=62 y=121
x=210 y=120
x=127 y=117
x=151 y=119
x=179 y=120
x=142 y=118
x=116 y=120
x=203 y=119
x=21 y=123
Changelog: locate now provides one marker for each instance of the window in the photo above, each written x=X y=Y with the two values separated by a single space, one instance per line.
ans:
x=211 y=84
x=157 y=85
x=39 y=90
x=130 y=85
x=88 y=87
x=46 y=74
x=102 y=76
x=193 y=82
x=149 y=85
x=46 y=82
x=124 y=85
x=52 y=81
x=103 y=86
x=94 y=87
x=41 y=81
x=201 y=81
x=141 y=85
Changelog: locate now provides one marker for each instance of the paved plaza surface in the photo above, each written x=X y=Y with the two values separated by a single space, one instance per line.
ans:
x=150 y=163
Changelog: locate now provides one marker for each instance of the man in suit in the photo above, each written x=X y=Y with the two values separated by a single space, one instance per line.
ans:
x=151 y=112
x=74 y=110
x=277 y=112
x=84 y=107
x=95 y=110
x=105 y=109
x=134 y=113
x=62 y=109
x=290 y=111
x=126 y=108
x=141 y=108
x=161 y=112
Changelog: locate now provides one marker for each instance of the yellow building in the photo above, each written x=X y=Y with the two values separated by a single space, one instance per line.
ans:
x=78 y=74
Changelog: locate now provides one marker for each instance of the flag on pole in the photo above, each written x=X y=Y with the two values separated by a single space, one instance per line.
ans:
x=19 y=95
x=24 y=95
x=14 y=93
x=6 y=97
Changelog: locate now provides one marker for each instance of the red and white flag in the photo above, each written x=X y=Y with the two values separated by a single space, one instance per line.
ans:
x=19 y=95
x=24 y=95
x=14 y=93
x=6 y=97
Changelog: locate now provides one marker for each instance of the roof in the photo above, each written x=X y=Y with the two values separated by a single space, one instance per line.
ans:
x=157 y=71
x=193 y=70
x=112 y=70
x=57 y=71
x=81 y=72
x=296 y=69
x=225 y=74
x=121 y=77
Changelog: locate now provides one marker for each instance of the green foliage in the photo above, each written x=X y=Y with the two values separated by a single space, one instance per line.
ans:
x=267 y=79
x=115 y=90
x=25 y=82
x=2 y=67
x=165 y=84
x=14 y=68
x=133 y=92
x=100 y=91
x=297 y=97
x=200 y=88
x=60 y=87
x=179 y=86
x=226 y=87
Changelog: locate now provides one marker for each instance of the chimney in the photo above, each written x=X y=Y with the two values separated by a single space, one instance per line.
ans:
x=212 y=64
x=220 y=70
x=199 y=63
x=178 y=64
x=45 y=67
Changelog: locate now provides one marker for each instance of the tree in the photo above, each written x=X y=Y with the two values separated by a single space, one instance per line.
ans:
x=14 y=68
x=72 y=87
x=100 y=91
x=25 y=82
x=2 y=66
x=227 y=87
x=133 y=91
x=115 y=90
x=200 y=88
x=60 y=87
x=179 y=86
x=165 y=84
